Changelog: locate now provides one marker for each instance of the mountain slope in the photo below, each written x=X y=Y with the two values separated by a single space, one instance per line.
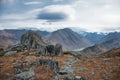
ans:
x=111 y=53
x=111 y=36
x=112 y=41
x=68 y=39
x=94 y=37
x=6 y=39
x=12 y=36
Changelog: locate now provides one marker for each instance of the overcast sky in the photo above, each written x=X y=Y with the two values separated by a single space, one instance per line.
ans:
x=89 y=15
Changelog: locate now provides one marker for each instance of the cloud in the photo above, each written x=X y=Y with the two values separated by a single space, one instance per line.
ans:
x=57 y=13
x=32 y=3
x=91 y=15
x=51 y=17
x=111 y=29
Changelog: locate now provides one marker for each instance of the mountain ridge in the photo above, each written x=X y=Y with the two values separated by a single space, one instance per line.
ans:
x=68 y=38
x=110 y=43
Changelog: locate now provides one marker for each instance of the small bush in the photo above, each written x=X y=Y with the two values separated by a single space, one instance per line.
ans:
x=2 y=53
x=67 y=52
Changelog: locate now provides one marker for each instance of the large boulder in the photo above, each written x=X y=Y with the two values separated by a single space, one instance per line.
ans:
x=50 y=50
x=32 y=40
x=58 y=49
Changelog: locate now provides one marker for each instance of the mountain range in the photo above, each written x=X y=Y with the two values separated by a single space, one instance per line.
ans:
x=108 y=42
x=69 y=39
x=91 y=43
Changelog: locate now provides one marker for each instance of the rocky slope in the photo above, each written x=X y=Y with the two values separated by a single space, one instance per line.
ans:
x=109 y=42
x=68 y=39
x=70 y=68
x=111 y=54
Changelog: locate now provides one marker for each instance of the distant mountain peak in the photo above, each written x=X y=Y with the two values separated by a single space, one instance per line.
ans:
x=68 y=38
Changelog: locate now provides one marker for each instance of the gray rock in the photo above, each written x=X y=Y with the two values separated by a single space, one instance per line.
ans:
x=32 y=40
x=55 y=78
x=50 y=50
x=73 y=78
x=25 y=75
x=58 y=49
x=10 y=53
x=62 y=72
x=52 y=64
x=18 y=68
x=82 y=68
x=1 y=65
x=92 y=72
x=106 y=59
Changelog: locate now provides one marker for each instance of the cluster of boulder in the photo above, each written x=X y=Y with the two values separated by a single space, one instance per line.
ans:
x=21 y=74
x=32 y=40
x=50 y=50
x=52 y=64
x=25 y=75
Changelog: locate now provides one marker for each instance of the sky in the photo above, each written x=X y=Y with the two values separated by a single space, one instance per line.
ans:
x=50 y=15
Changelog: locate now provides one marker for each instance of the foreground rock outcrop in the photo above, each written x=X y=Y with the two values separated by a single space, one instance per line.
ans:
x=50 y=50
x=32 y=41
x=25 y=75
x=52 y=64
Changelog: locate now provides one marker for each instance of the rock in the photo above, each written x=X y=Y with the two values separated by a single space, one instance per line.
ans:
x=73 y=78
x=77 y=77
x=50 y=50
x=18 y=68
x=1 y=65
x=106 y=59
x=55 y=78
x=52 y=64
x=82 y=68
x=92 y=72
x=34 y=53
x=66 y=78
x=10 y=53
x=62 y=72
x=58 y=49
x=106 y=74
x=18 y=48
x=25 y=75
x=32 y=40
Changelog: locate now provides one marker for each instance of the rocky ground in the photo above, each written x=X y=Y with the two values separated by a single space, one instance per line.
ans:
x=23 y=65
